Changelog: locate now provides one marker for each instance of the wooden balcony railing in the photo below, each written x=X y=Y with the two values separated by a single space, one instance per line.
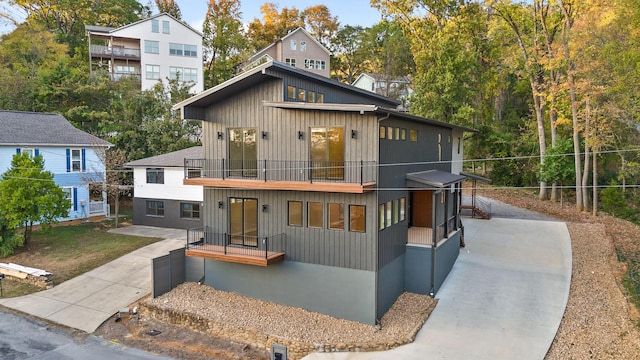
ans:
x=243 y=249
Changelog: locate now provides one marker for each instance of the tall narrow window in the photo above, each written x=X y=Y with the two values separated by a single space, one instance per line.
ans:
x=76 y=160
x=165 y=27
x=302 y=95
x=356 y=218
x=459 y=145
x=403 y=134
x=390 y=133
x=155 y=26
x=327 y=153
x=292 y=44
x=388 y=214
x=396 y=211
x=381 y=217
x=243 y=152
x=413 y=135
x=402 y=209
x=68 y=194
x=383 y=132
x=336 y=216
x=295 y=213
x=311 y=96
x=439 y=147
x=291 y=92
x=303 y=46
x=320 y=98
x=314 y=214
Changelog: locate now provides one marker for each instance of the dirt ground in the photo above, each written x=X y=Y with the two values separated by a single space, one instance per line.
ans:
x=599 y=322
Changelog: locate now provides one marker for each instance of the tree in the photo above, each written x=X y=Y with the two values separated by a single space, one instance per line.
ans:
x=170 y=7
x=224 y=41
x=274 y=25
x=28 y=195
x=349 y=57
x=557 y=167
x=320 y=24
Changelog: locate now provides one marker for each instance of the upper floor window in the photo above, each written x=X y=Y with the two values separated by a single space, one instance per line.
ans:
x=151 y=47
x=291 y=62
x=155 y=26
x=383 y=132
x=152 y=72
x=30 y=152
x=303 y=46
x=76 y=160
x=175 y=49
x=320 y=98
x=191 y=50
x=155 y=176
x=292 y=44
x=315 y=64
x=413 y=135
x=302 y=94
x=183 y=74
x=165 y=27
x=291 y=92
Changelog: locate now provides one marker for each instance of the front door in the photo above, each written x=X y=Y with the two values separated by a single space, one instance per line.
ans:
x=421 y=208
x=243 y=221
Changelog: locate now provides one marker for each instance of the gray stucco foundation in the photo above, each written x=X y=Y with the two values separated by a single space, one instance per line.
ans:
x=418 y=262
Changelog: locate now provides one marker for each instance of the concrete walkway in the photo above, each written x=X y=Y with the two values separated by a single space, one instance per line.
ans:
x=504 y=298
x=86 y=301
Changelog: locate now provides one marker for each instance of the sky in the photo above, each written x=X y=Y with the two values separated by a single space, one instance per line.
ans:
x=349 y=12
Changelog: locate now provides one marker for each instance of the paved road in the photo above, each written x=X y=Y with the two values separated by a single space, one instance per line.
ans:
x=24 y=338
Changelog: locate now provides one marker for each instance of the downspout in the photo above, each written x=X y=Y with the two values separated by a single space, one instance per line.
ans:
x=434 y=243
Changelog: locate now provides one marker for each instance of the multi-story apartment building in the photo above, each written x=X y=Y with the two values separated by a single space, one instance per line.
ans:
x=153 y=49
x=321 y=195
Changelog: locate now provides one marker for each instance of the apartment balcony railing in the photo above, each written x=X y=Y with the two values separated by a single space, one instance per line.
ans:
x=119 y=75
x=356 y=172
x=115 y=51
x=244 y=249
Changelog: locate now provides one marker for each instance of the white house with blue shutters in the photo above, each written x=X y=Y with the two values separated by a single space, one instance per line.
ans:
x=75 y=157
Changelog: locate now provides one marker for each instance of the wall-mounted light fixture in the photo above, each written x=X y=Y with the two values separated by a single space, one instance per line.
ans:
x=354 y=134
x=265 y=207
x=220 y=204
x=265 y=135
x=219 y=135
x=300 y=135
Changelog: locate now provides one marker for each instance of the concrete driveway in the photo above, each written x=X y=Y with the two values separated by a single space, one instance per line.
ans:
x=504 y=298
x=86 y=301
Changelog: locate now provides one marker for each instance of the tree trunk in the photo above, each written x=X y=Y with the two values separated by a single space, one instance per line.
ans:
x=595 y=183
x=585 y=174
x=542 y=141
x=553 y=117
x=117 y=205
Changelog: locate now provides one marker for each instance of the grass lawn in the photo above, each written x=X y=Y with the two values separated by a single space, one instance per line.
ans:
x=68 y=251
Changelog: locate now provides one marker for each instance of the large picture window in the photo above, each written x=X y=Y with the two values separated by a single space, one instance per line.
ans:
x=357 y=218
x=327 y=153
x=336 y=216
x=155 y=176
x=295 y=213
x=155 y=208
x=314 y=214
x=189 y=211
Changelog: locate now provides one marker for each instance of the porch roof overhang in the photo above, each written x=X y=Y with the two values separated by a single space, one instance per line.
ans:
x=432 y=179
x=476 y=177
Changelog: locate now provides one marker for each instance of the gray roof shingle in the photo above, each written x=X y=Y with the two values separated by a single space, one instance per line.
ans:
x=30 y=128
x=172 y=159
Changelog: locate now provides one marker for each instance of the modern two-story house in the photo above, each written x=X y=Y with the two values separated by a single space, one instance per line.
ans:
x=159 y=196
x=321 y=195
x=297 y=49
x=75 y=157
x=154 y=49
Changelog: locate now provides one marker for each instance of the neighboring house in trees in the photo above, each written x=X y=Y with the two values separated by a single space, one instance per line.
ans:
x=75 y=157
x=152 y=49
x=399 y=88
x=159 y=196
x=297 y=49
x=337 y=206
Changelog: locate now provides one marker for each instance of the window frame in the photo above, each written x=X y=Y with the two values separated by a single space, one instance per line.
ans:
x=157 y=210
x=301 y=222
x=336 y=207
x=190 y=214
x=151 y=47
x=413 y=135
x=154 y=176
x=291 y=92
x=68 y=195
x=381 y=220
x=292 y=44
x=396 y=211
x=155 y=26
x=403 y=211
x=303 y=46
x=320 y=214
x=152 y=74
x=364 y=218
x=73 y=160
x=176 y=49
x=290 y=61
x=166 y=27
x=190 y=50
x=388 y=212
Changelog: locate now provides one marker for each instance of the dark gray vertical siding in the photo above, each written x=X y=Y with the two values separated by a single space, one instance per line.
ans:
x=340 y=248
x=418 y=156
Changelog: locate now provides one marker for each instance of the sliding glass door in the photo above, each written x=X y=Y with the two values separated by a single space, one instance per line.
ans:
x=327 y=153
x=243 y=221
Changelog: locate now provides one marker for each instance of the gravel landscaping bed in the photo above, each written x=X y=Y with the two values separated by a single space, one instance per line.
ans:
x=259 y=322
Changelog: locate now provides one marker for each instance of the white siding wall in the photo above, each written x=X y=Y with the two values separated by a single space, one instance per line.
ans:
x=364 y=82
x=172 y=189
x=179 y=34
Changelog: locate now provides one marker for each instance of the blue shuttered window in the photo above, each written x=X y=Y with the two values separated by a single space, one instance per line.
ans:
x=84 y=162
x=68 y=160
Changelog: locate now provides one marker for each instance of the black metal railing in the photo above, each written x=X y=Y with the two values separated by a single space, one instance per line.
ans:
x=202 y=238
x=443 y=229
x=358 y=172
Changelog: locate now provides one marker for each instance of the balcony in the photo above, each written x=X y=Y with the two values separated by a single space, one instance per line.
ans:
x=116 y=52
x=326 y=176
x=241 y=249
